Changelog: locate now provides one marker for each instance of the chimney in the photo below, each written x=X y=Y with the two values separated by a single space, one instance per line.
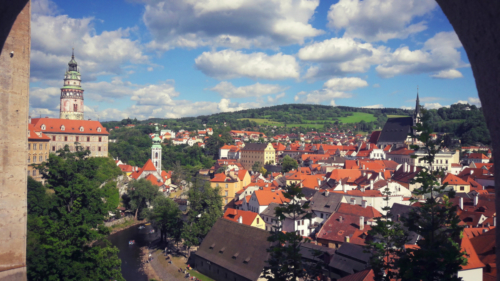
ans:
x=327 y=193
x=471 y=171
x=371 y=184
x=319 y=182
x=343 y=186
x=364 y=203
x=361 y=223
x=414 y=169
x=240 y=219
x=362 y=189
x=353 y=202
x=461 y=203
x=476 y=199
x=341 y=219
x=347 y=239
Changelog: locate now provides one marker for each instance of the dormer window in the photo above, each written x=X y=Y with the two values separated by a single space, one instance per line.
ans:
x=43 y=126
x=99 y=129
x=81 y=128
x=62 y=128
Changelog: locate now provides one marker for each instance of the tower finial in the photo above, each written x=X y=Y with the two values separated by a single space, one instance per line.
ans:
x=73 y=53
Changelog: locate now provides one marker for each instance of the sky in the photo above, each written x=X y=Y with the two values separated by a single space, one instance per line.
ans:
x=170 y=58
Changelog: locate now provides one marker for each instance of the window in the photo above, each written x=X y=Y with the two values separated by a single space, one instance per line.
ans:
x=34 y=146
x=81 y=129
x=40 y=146
x=65 y=138
x=462 y=188
x=99 y=148
x=54 y=138
x=45 y=146
x=29 y=158
x=321 y=215
x=88 y=138
x=40 y=158
x=226 y=186
x=88 y=147
x=257 y=220
x=226 y=193
x=100 y=139
x=75 y=106
x=53 y=148
x=62 y=128
x=34 y=172
x=77 y=139
x=29 y=146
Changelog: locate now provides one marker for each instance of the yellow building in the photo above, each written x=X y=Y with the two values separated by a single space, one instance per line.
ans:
x=229 y=183
x=38 y=150
x=458 y=184
x=257 y=152
x=245 y=217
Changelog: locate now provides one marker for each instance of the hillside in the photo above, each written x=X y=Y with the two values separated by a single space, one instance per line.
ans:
x=460 y=120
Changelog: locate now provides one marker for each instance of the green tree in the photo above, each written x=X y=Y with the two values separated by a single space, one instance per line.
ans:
x=141 y=194
x=166 y=215
x=256 y=167
x=205 y=207
x=439 y=255
x=285 y=260
x=66 y=237
x=39 y=202
x=289 y=164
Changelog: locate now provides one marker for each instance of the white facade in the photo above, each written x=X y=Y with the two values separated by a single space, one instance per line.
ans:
x=298 y=225
x=378 y=154
x=475 y=274
x=223 y=153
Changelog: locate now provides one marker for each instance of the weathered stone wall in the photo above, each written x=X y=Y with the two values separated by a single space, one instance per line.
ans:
x=14 y=98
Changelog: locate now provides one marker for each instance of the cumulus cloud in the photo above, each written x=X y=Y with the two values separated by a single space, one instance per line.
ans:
x=345 y=84
x=229 y=23
x=160 y=94
x=376 y=86
x=52 y=37
x=379 y=20
x=228 y=90
x=321 y=96
x=434 y=105
x=273 y=100
x=374 y=106
x=472 y=101
x=227 y=64
x=448 y=74
x=439 y=53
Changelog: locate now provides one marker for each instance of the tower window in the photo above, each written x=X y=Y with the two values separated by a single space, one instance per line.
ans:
x=75 y=107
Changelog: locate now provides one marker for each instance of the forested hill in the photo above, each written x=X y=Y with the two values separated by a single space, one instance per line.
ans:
x=463 y=121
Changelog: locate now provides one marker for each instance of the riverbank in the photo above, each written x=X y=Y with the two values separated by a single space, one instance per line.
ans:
x=122 y=226
x=146 y=266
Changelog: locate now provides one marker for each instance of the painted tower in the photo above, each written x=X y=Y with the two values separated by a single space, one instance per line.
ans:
x=156 y=152
x=72 y=93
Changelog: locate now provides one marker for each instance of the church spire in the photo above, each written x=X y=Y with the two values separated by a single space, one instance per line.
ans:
x=417 y=114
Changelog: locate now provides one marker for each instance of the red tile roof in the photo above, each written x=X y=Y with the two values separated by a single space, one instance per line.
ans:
x=126 y=168
x=472 y=257
x=340 y=225
x=149 y=166
x=233 y=215
x=368 y=212
x=34 y=134
x=365 y=275
x=266 y=197
x=454 y=180
x=478 y=156
x=53 y=125
x=401 y=151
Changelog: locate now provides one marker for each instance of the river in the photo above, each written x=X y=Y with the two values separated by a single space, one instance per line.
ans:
x=131 y=254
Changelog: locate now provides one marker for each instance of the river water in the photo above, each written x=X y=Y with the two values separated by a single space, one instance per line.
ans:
x=131 y=254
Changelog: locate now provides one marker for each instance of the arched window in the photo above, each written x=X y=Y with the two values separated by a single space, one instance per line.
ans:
x=99 y=129
x=156 y=155
x=62 y=128
x=43 y=126
x=81 y=128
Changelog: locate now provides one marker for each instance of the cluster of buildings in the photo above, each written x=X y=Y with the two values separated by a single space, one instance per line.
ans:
x=345 y=187
x=48 y=135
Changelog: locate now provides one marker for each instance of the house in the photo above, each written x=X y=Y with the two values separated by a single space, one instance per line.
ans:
x=232 y=251
x=348 y=225
x=261 y=198
x=458 y=184
x=38 y=150
x=270 y=219
x=244 y=217
x=477 y=158
x=228 y=184
x=91 y=135
x=348 y=260
x=473 y=271
x=323 y=205
x=484 y=246
x=257 y=152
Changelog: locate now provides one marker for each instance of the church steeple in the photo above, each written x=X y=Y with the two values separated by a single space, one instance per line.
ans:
x=417 y=115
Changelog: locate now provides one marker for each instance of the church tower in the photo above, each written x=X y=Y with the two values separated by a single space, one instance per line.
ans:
x=72 y=93
x=417 y=114
x=156 y=152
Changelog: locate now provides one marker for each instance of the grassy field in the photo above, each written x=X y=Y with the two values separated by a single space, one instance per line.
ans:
x=395 y=116
x=313 y=126
x=263 y=121
x=358 y=117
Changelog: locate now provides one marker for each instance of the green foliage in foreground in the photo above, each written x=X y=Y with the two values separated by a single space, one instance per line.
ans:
x=289 y=164
x=66 y=238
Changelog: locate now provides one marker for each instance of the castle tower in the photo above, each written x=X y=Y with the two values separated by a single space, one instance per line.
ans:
x=72 y=93
x=156 y=152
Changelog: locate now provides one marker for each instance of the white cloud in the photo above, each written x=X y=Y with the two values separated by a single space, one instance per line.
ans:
x=471 y=101
x=433 y=57
x=376 y=86
x=323 y=95
x=345 y=84
x=379 y=20
x=228 y=90
x=448 y=74
x=47 y=98
x=229 y=64
x=152 y=95
x=229 y=23
x=273 y=100
x=52 y=37
x=406 y=107
x=374 y=106
x=150 y=68
x=434 y=105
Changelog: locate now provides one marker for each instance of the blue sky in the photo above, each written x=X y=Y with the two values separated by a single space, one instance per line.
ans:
x=170 y=59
